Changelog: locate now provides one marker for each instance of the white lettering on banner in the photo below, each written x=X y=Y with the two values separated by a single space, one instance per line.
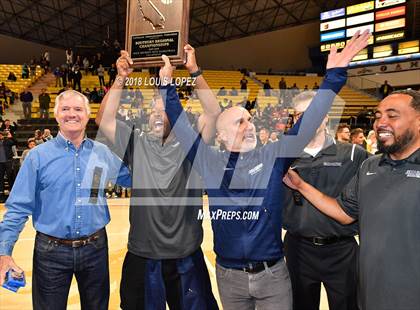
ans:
x=332 y=164
x=224 y=215
x=333 y=14
x=413 y=174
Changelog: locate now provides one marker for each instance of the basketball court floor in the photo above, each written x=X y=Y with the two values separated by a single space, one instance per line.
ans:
x=117 y=234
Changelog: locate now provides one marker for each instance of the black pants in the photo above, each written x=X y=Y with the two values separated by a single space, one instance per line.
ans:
x=133 y=283
x=77 y=86
x=335 y=265
x=101 y=80
x=6 y=168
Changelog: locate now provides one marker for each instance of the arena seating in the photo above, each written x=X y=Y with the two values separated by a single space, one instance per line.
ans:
x=348 y=105
x=216 y=79
x=27 y=129
x=20 y=84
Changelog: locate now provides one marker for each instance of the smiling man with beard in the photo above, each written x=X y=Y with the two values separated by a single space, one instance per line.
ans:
x=384 y=198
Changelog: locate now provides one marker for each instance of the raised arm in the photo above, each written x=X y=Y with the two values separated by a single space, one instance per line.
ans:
x=106 y=117
x=211 y=109
x=322 y=202
x=198 y=152
x=300 y=135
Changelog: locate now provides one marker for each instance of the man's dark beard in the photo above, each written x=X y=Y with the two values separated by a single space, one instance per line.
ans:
x=399 y=145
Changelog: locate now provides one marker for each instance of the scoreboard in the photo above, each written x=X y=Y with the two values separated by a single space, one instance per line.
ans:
x=386 y=21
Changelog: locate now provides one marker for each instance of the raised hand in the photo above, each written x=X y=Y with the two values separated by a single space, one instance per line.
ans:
x=166 y=71
x=354 y=46
x=124 y=63
x=191 y=63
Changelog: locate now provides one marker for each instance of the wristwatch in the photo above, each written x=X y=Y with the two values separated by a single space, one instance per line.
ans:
x=196 y=73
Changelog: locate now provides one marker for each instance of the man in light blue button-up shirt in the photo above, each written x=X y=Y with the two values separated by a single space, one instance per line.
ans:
x=61 y=184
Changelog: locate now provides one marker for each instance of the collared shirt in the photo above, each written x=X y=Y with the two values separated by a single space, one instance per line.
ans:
x=166 y=196
x=54 y=186
x=329 y=171
x=384 y=197
x=241 y=183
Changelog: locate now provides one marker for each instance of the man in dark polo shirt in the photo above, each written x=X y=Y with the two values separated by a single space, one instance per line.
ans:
x=384 y=198
x=317 y=248
x=164 y=262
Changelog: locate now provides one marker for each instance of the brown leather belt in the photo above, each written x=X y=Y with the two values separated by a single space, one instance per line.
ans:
x=75 y=243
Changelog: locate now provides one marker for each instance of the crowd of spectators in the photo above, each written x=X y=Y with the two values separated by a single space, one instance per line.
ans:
x=70 y=74
x=271 y=120
x=28 y=71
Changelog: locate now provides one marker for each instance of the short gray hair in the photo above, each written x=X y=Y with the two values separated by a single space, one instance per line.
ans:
x=302 y=97
x=71 y=93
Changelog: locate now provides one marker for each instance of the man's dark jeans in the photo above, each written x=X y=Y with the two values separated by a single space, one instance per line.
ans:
x=53 y=269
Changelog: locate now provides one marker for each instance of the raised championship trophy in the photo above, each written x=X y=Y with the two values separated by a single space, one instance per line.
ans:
x=157 y=27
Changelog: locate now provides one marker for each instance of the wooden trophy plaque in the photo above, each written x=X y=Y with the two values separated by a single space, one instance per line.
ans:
x=157 y=27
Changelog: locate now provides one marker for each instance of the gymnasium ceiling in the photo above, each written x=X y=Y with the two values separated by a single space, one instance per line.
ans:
x=87 y=23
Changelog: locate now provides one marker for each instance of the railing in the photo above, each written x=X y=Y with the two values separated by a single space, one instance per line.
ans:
x=363 y=85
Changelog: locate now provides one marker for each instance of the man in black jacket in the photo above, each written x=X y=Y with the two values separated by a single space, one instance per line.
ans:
x=26 y=98
x=77 y=77
x=6 y=157
x=44 y=103
x=385 y=89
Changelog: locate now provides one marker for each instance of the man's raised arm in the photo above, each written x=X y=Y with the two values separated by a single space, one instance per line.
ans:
x=211 y=108
x=106 y=117
x=299 y=136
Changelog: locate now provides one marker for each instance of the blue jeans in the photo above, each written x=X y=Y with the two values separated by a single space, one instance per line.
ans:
x=53 y=269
